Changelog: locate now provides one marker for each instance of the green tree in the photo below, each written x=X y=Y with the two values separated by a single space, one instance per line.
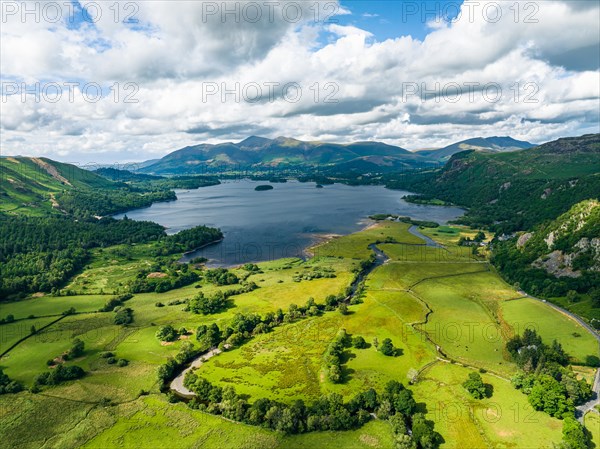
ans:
x=574 y=434
x=167 y=333
x=387 y=348
x=475 y=386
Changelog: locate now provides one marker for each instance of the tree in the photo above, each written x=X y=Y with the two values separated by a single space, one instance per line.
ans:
x=76 y=350
x=207 y=305
x=167 y=333
x=335 y=373
x=124 y=316
x=375 y=342
x=550 y=396
x=387 y=348
x=474 y=385
x=359 y=342
x=8 y=386
x=343 y=308
x=595 y=297
x=574 y=434
x=413 y=375
x=572 y=296
x=479 y=237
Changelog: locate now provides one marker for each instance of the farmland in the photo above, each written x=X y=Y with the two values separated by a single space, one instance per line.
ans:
x=446 y=312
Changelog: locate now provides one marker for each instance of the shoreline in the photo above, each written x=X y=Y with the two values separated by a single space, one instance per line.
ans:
x=214 y=242
x=321 y=239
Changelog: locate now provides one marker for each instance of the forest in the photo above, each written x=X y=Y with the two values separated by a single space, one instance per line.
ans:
x=39 y=254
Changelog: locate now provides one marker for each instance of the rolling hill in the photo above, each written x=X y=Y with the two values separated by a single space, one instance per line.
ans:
x=515 y=190
x=30 y=183
x=259 y=152
x=40 y=186
x=483 y=144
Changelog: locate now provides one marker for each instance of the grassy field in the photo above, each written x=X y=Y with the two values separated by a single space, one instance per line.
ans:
x=592 y=424
x=418 y=299
x=551 y=324
x=505 y=420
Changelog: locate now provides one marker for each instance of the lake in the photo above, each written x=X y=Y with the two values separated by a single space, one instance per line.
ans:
x=283 y=222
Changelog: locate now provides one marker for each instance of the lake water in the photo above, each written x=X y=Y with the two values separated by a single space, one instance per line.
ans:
x=282 y=222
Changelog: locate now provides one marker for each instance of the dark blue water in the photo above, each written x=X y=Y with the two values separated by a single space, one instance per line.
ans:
x=282 y=222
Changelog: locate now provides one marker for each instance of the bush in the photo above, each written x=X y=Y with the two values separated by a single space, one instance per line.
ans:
x=123 y=362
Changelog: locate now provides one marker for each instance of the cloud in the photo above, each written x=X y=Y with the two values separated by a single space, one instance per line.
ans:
x=315 y=79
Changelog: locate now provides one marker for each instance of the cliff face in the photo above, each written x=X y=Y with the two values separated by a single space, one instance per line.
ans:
x=568 y=245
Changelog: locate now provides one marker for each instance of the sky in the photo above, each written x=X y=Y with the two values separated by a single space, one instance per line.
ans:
x=112 y=82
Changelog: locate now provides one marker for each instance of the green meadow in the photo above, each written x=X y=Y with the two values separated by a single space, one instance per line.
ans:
x=445 y=310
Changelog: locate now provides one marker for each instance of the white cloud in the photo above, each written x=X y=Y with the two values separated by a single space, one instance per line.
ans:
x=178 y=50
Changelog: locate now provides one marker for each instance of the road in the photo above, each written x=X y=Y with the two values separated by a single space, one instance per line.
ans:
x=177 y=383
x=588 y=406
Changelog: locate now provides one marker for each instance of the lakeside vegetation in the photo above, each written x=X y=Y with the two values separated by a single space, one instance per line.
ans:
x=262 y=364
x=431 y=348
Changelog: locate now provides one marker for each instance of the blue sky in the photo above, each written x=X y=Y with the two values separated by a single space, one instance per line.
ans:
x=392 y=19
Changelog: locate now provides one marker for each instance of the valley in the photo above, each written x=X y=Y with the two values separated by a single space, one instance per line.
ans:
x=131 y=332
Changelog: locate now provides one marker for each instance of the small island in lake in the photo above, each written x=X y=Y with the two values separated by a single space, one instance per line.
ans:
x=319 y=186
x=263 y=187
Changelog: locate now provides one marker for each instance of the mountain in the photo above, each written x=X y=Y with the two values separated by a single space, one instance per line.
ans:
x=31 y=182
x=516 y=190
x=259 y=152
x=484 y=144
x=556 y=257
x=40 y=186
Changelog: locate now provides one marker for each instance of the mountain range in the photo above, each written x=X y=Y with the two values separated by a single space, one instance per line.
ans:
x=259 y=152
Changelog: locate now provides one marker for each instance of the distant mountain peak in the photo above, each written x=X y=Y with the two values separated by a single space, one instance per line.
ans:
x=254 y=141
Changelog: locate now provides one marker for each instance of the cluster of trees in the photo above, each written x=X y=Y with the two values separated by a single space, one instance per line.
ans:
x=317 y=273
x=8 y=386
x=468 y=241
x=116 y=301
x=219 y=301
x=327 y=413
x=77 y=349
x=530 y=352
x=545 y=378
x=221 y=276
x=208 y=305
x=112 y=359
x=335 y=357
x=190 y=239
x=57 y=375
x=169 y=333
x=175 y=279
x=10 y=318
x=575 y=436
x=151 y=182
x=87 y=203
x=252 y=268
x=41 y=253
x=169 y=370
